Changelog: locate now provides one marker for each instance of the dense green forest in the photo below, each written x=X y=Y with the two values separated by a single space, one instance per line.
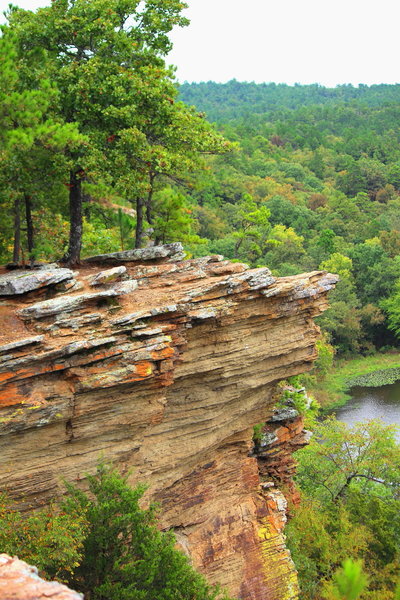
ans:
x=313 y=182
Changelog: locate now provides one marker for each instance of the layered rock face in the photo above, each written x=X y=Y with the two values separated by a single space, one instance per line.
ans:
x=281 y=436
x=162 y=368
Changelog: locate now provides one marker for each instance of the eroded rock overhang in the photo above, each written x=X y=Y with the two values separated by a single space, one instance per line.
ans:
x=162 y=366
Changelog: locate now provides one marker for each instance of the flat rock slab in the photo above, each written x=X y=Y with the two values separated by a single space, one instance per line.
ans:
x=21 y=282
x=172 y=252
x=21 y=343
x=68 y=304
x=285 y=414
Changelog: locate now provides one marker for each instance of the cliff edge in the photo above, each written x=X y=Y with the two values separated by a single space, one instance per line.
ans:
x=161 y=366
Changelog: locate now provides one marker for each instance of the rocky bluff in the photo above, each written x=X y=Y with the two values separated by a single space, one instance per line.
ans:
x=162 y=366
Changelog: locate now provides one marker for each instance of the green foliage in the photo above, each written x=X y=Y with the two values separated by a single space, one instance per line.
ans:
x=125 y=227
x=97 y=239
x=348 y=583
x=376 y=378
x=104 y=544
x=125 y=556
x=366 y=454
x=110 y=82
x=325 y=163
x=320 y=538
x=391 y=306
x=50 y=539
x=252 y=230
x=257 y=433
x=324 y=361
x=350 y=479
x=173 y=221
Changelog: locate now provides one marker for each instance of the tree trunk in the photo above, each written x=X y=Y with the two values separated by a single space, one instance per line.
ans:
x=73 y=254
x=17 y=231
x=139 y=222
x=149 y=216
x=29 y=226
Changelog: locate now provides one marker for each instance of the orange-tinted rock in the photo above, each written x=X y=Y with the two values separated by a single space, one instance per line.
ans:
x=166 y=381
x=282 y=435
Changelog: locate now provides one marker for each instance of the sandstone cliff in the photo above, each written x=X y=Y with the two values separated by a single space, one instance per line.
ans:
x=162 y=366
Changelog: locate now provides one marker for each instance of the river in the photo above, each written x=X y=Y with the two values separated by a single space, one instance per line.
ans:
x=372 y=403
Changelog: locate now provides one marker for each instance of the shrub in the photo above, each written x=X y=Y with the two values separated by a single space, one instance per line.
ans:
x=50 y=539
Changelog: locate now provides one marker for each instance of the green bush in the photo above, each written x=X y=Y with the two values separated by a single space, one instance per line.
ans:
x=50 y=539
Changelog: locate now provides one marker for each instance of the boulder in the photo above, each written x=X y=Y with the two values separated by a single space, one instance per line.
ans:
x=21 y=282
x=20 y=581
x=108 y=276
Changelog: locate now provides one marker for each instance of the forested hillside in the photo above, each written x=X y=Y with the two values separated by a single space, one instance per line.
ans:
x=314 y=182
x=99 y=153
x=223 y=102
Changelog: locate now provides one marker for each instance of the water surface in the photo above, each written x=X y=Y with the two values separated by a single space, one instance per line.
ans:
x=372 y=403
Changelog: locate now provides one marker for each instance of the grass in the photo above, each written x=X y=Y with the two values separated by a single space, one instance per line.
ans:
x=369 y=371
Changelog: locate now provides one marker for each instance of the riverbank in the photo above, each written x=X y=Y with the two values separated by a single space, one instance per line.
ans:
x=372 y=371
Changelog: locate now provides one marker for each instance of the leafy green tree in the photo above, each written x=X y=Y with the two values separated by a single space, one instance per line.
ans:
x=317 y=165
x=352 y=180
x=350 y=479
x=339 y=264
x=374 y=272
x=252 y=230
x=125 y=226
x=367 y=453
x=390 y=241
x=327 y=241
x=391 y=306
x=326 y=353
x=98 y=52
x=320 y=537
x=287 y=247
x=168 y=148
x=173 y=221
x=342 y=319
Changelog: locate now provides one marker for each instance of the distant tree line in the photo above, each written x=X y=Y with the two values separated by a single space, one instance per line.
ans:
x=314 y=183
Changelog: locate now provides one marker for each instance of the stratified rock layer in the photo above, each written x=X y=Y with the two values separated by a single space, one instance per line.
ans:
x=282 y=435
x=166 y=380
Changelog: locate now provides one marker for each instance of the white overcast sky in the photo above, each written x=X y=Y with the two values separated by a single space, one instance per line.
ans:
x=304 y=41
